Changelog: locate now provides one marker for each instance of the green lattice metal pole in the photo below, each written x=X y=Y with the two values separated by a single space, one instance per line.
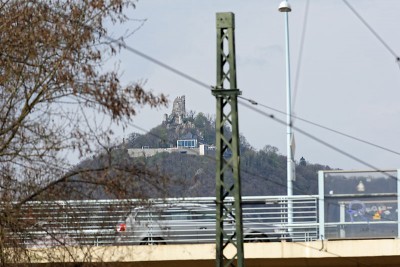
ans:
x=227 y=154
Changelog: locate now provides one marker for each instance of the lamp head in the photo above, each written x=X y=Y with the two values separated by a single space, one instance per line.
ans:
x=284 y=7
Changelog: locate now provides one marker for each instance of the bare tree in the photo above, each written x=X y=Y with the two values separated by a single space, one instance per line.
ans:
x=57 y=100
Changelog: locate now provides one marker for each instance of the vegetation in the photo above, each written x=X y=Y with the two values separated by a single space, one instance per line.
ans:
x=199 y=126
x=263 y=171
x=58 y=103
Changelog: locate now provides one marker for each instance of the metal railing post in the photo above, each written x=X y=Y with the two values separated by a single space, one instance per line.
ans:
x=398 y=201
x=321 y=205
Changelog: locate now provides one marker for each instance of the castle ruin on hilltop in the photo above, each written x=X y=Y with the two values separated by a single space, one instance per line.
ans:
x=178 y=122
x=178 y=112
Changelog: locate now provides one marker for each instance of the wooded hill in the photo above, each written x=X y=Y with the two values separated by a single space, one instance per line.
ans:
x=263 y=172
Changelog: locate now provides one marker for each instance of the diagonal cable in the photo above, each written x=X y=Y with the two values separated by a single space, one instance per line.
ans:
x=303 y=37
x=158 y=62
x=319 y=140
x=372 y=30
x=253 y=102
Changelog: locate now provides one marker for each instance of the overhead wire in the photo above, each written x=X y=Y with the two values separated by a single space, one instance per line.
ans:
x=253 y=102
x=121 y=43
x=206 y=86
x=299 y=61
x=298 y=189
x=196 y=81
x=369 y=27
x=340 y=151
x=244 y=171
x=202 y=84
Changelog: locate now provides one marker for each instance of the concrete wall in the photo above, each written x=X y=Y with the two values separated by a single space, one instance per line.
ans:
x=149 y=152
x=343 y=253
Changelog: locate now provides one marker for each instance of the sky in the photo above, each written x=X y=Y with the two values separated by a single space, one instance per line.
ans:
x=346 y=80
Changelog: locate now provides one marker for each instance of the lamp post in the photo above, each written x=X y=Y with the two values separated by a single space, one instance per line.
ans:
x=285 y=8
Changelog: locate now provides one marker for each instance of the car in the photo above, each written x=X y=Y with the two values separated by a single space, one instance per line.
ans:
x=187 y=223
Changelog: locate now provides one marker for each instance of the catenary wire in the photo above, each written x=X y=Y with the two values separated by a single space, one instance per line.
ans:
x=396 y=56
x=190 y=78
x=298 y=67
x=214 y=159
x=340 y=151
x=158 y=62
x=296 y=187
x=278 y=184
x=242 y=169
x=204 y=85
x=121 y=43
x=322 y=126
x=181 y=73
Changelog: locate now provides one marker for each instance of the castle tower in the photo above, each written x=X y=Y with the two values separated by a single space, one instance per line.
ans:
x=178 y=107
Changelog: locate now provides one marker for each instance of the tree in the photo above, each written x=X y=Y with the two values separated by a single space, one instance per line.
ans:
x=57 y=101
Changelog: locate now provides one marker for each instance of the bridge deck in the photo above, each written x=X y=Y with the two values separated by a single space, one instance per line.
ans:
x=344 y=253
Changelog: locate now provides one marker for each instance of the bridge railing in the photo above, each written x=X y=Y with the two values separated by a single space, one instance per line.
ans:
x=350 y=204
x=359 y=204
x=188 y=220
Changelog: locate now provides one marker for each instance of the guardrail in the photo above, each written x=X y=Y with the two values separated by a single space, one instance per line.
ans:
x=188 y=220
x=359 y=204
x=350 y=204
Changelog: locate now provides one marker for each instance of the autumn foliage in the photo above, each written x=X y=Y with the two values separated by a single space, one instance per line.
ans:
x=58 y=100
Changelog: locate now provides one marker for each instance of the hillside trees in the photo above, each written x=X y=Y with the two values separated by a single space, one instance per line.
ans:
x=58 y=101
x=263 y=171
x=200 y=126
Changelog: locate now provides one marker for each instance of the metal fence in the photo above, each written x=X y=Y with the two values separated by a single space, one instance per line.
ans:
x=359 y=204
x=166 y=221
x=350 y=204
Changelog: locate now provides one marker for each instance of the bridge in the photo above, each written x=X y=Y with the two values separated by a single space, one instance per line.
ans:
x=381 y=252
x=353 y=221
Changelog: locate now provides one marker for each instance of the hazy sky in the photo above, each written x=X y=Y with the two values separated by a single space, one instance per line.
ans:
x=348 y=80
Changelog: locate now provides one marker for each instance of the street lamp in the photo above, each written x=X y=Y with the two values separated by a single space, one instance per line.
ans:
x=286 y=8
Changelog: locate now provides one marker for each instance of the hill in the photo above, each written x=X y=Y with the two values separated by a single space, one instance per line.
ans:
x=263 y=172
x=166 y=174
